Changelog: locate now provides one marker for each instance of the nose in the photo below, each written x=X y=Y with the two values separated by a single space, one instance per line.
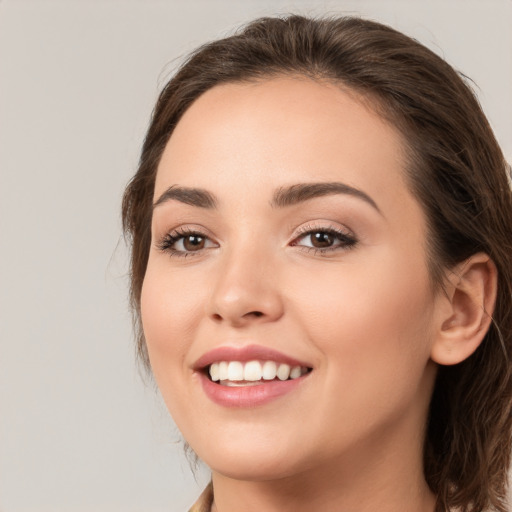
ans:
x=246 y=290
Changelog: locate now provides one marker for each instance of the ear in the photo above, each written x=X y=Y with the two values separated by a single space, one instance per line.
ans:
x=463 y=314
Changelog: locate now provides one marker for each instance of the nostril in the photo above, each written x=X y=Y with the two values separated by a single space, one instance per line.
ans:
x=257 y=314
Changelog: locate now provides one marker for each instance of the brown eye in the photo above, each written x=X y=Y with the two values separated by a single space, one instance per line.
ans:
x=325 y=240
x=322 y=239
x=193 y=242
x=181 y=243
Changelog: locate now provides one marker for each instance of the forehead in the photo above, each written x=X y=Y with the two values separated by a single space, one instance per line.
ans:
x=280 y=131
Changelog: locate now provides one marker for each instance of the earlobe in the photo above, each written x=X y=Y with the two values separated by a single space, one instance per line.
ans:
x=464 y=312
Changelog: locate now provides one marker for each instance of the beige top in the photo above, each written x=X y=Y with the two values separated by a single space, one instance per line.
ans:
x=204 y=503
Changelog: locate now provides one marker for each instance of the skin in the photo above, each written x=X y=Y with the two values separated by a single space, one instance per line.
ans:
x=363 y=317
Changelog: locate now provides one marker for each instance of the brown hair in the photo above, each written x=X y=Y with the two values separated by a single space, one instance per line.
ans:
x=455 y=169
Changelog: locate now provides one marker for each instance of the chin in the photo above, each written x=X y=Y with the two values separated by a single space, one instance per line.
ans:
x=249 y=461
x=254 y=470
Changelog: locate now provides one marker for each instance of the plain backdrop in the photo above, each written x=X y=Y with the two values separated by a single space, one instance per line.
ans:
x=79 y=430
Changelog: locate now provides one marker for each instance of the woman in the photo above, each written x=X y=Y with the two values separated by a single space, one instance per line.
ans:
x=321 y=269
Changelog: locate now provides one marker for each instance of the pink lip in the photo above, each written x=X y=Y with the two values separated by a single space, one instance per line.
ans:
x=247 y=396
x=250 y=396
x=244 y=354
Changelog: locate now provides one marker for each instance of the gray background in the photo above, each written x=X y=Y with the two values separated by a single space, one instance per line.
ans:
x=79 y=431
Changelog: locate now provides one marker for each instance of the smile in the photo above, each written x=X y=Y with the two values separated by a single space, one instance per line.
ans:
x=253 y=373
x=249 y=376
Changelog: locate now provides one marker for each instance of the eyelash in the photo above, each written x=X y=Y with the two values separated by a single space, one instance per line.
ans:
x=345 y=240
x=167 y=242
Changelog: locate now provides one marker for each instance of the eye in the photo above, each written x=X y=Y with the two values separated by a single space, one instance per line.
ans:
x=321 y=239
x=324 y=239
x=183 y=242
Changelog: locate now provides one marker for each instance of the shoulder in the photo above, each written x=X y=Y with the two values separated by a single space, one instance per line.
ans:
x=204 y=503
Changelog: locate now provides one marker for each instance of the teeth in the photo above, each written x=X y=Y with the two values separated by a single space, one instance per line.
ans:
x=232 y=384
x=295 y=372
x=214 y=372
x=236 y=373
x=269 y=370
x=252 y=371
x=283 y=372
x=223 y=370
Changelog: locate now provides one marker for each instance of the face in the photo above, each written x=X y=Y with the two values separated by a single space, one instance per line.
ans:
x=284 y=239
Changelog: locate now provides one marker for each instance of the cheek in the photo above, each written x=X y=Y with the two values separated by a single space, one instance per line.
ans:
x=372 y=327
x=168 y=307
x=171 y=308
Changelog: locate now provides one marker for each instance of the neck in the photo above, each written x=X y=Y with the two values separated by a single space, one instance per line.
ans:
x=326 y=492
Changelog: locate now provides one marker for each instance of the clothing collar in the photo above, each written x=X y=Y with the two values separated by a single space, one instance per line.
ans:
x=204 y=503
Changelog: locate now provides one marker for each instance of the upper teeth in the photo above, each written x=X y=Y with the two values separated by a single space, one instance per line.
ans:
x=254 y=371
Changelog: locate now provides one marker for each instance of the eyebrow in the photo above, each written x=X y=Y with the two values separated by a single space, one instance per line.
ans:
x=192 y=196
x=294 y=194
x=283 y=197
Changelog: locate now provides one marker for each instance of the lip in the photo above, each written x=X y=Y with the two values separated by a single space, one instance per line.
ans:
x=250 y=396
x=245 y=354
x=247 y=396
